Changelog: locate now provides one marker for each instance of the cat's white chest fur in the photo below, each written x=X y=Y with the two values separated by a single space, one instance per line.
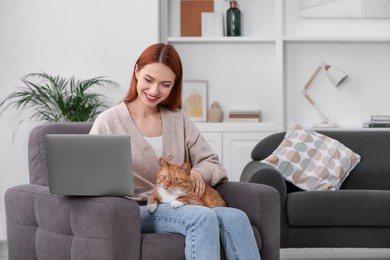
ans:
x=168 y=197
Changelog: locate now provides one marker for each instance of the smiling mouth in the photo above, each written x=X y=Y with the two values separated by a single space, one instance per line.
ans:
x=151 y=98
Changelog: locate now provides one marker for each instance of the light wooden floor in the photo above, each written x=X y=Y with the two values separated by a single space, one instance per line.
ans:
x=304 y=253
x=335 y=253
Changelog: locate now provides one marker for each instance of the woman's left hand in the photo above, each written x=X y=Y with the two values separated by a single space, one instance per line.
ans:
x=198 y=183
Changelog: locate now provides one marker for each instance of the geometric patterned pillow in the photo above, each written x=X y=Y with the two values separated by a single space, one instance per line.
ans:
x=312 y=161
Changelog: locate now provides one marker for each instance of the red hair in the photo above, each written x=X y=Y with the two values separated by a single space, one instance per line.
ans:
x=167 y=55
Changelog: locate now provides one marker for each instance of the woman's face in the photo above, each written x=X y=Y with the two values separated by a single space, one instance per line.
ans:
x=155 y=82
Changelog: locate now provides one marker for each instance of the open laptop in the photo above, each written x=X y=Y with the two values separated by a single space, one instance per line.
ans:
x=89 y=165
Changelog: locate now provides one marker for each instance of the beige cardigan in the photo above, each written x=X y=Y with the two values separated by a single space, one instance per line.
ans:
x=181 y=141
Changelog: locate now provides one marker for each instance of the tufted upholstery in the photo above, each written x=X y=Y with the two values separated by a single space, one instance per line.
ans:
x=45 y=226
x=42 y=226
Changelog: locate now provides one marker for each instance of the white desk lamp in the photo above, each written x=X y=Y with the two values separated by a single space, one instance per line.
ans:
x=337 y=77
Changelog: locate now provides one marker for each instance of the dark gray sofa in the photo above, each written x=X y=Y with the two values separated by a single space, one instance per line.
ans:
x=357 y=215
x=45 y=226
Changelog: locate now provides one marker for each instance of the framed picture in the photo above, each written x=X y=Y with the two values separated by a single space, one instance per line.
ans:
x=212 y=24
x=373 y=9
x=194 y=98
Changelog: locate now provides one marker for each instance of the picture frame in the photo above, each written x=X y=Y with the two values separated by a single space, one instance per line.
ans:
x=195 y=99
x=212 y=24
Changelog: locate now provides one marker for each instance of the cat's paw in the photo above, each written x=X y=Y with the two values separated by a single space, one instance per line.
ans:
x=176 y=204
x=151 y=208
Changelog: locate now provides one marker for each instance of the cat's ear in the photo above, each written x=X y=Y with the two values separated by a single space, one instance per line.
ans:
x=186 y=167
x=163 y=163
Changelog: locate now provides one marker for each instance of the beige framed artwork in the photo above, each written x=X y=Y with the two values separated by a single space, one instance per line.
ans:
x=194 y=98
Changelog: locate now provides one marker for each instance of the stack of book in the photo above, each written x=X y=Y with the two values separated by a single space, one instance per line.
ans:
x=378 y=121
x=245 y=116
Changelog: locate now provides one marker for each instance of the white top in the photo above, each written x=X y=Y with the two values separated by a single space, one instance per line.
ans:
x=156 y=143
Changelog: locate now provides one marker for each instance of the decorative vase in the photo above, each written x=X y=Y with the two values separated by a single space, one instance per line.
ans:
x=215 y=113
x=233 y=20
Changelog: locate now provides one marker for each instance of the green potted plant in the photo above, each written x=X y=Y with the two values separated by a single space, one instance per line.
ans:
x=56 y=99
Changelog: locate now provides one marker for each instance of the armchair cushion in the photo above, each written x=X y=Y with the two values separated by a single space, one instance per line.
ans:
x=312 y=161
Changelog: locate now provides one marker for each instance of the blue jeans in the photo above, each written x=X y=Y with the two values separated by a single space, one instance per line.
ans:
x=203 y=227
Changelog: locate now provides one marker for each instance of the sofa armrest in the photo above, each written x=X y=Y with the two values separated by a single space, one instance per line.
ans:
x=257 y=172
x=62 y=227
x=261 y=204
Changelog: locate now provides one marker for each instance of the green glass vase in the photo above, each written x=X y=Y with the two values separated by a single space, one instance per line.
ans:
x=233 y=20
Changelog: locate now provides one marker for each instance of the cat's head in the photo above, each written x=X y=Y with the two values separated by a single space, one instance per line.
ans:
x=174 y=179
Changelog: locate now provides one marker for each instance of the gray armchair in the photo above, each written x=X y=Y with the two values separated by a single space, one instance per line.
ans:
x=45 y=226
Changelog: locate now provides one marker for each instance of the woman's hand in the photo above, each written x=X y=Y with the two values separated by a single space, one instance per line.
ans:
x=198 y=183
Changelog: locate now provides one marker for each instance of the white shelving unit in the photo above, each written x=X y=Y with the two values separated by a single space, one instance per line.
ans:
x=227 y=55
x=267 y=67
x=277 y=54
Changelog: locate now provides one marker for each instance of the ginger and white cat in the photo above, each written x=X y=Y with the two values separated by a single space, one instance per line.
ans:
x=174 y=186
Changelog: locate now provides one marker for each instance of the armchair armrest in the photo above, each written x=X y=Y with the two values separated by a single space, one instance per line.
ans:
x=258 y=172
x=261 y=204
x=61 y=227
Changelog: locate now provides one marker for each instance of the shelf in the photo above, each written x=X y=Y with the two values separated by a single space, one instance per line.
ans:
x=241 y=39
x=370 y=39
x=289 y=39
x=266 y=66
x=352 y=129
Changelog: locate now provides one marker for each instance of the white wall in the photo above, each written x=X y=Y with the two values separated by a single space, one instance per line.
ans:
x=84 y=38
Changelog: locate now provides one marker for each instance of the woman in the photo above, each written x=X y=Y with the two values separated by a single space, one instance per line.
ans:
x=151 y=115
